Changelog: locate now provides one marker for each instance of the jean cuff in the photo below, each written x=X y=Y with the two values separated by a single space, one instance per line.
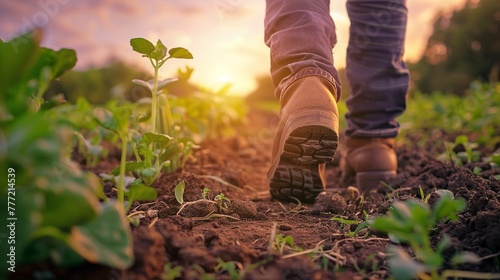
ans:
x=332 y=85
x=375 y=133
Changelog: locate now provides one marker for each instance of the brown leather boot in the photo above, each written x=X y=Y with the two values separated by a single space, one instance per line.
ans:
x=372 y=160
x=306 y=138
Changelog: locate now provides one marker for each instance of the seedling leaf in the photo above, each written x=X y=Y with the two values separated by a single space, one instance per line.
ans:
x=165 y=82
x=179 y=192
x=495 y=158
x=461 y=139
x=180 y=53
x=106 y=119
x=403 y=266
x=65 y=60
x=151 y=138
x=61 y=199
x=142 y=45
x=141 y=192
x=143 y=83
x=465 y=257
x=105 y=240
x=159 y=52
x=361 y=226
x=130 y=166
x=445 y=194
x=345 y=221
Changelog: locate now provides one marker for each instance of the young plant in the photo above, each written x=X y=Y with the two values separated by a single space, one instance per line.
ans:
x=234 y=269
x=411 y=222
x=157 y=55
x=221 y=201
x=462 y=157
x=171 y=273
x=90 y=149
x=118 y=122
x=282 y=241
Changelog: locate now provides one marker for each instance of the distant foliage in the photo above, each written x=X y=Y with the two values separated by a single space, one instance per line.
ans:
x=464 y=46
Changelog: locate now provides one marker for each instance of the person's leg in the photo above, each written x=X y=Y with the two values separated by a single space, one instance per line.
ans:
x=379 y=79
x=376 y=73
x=301 y=36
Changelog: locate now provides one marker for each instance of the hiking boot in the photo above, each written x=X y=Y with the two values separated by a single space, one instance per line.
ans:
x=306 y=139
x=372 y=160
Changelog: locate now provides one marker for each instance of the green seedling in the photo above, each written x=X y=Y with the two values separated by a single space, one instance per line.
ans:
x=423 y=197
x=234 y=269
x=281 y=242
x=346 y=223
x=205 y=192
x=221 y=201
x=91 y=149
x=171 y=273
x=199 y=273
x=467 y=156
x=411 y=222
x=179 y=192
x=118 y=122
x=157 y=55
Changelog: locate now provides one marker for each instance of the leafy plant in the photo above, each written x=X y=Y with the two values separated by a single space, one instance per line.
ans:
x=221 y=201
x=157 y=55
x=477 y=112
x=118 y=122
x=57 y=204
x=90 y=149
x=281 y=242
x=411 y=222
x=462 y=157
x=205 y=192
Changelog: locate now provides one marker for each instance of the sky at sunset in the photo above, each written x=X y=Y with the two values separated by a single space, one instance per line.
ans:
x=225 y=36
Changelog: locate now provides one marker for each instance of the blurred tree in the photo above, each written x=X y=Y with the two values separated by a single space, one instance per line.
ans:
x=464 y=46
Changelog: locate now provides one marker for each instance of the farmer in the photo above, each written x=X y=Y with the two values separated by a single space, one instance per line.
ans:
x=301 y=36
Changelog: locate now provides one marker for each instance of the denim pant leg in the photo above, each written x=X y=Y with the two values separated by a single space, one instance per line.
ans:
x=375 y=70
x=301 y=36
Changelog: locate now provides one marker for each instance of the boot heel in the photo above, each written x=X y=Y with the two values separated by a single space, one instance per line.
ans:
x=371 y=180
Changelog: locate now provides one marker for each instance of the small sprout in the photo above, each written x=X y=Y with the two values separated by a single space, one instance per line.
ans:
x=171 y=273
x=205 y=192
x=179 y=192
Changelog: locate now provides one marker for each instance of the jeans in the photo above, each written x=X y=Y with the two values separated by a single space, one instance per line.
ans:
x=301 y=36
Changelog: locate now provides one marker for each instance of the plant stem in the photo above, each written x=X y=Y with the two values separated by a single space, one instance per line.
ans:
x=154 y=96
x=121 y=187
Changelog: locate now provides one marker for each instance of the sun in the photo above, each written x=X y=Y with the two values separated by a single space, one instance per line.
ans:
x=224 y=78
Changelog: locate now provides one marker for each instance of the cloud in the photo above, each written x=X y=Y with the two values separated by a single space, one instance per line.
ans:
x=226 y=36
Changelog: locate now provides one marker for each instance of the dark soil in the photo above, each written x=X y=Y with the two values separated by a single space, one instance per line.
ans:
x=198 y=241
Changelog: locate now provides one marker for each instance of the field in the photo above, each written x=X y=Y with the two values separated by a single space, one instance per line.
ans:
x=175 y=187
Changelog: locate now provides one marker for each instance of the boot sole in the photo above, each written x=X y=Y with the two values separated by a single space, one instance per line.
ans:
x=313 y=141
x=290 y=181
